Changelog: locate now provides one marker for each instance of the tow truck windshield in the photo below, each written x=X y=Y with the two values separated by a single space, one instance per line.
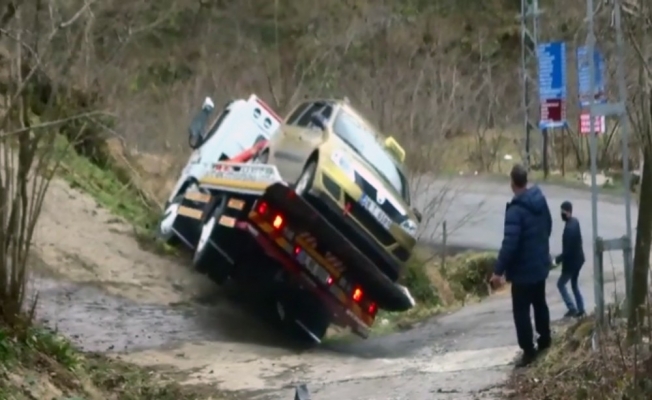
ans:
x=362 y=139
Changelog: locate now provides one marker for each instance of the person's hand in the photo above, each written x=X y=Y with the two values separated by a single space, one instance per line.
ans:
x=496 y=281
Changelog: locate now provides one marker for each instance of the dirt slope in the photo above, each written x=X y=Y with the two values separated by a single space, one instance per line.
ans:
x=80 y=241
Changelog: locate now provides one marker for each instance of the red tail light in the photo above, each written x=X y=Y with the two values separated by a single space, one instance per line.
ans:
x=372 y=309
x=357 y=295
x=277 y=223
x=297 y=250
x=329 y=281
x=262 y=208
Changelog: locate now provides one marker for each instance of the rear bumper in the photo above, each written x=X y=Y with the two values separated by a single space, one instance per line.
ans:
x=343 y=316
x=358 y=236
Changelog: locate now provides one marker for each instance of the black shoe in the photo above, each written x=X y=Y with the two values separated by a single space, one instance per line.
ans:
x=580 y=314
x=543 y=345
x=570 y=314
x=526 y=359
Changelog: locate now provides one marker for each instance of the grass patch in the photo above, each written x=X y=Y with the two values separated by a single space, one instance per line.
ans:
x=439 y=285
x=39 y=364
x=574 y=369
x=113 y=188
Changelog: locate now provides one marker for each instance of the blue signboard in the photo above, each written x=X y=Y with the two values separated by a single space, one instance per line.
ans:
x=584 y=76
x=552 y=84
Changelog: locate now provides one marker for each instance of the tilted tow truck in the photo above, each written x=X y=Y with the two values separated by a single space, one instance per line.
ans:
x=257 y=230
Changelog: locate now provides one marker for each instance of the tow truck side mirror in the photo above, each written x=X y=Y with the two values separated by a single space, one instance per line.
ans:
x=318 y=121
x=417 y=213
x=198 y=124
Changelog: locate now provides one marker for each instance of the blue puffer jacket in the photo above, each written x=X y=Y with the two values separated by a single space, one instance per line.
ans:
x=524 y=256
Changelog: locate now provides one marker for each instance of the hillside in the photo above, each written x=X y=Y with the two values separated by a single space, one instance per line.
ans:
x=427 y=72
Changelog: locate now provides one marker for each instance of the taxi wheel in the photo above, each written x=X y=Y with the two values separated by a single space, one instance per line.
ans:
x=304 y=183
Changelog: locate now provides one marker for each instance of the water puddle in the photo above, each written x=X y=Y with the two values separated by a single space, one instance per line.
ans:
x=96 y=321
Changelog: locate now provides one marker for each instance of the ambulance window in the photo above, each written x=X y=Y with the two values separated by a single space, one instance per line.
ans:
x=217 y=124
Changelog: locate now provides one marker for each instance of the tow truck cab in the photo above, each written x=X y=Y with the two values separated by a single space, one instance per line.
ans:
x=240 y=125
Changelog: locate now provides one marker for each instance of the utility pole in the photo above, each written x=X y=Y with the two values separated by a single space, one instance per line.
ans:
x=616 y=108
x=529 y=41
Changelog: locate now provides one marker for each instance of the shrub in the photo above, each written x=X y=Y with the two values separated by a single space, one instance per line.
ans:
x=421 y=287
x=469 y=273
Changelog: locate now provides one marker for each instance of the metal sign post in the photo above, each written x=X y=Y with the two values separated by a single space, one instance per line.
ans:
x=617 y=108
x=529 y=41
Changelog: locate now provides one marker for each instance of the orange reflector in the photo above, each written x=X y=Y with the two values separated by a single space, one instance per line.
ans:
x=236 y=203
x=227 y=221
x=278 y=222
x=357 y=294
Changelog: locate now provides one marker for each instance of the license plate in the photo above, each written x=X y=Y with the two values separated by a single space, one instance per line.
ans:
x=311 y=265
x=375 y=211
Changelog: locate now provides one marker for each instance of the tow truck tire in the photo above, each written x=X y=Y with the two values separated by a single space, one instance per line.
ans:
x=207 y=258
x=304 y=315
x=167 y=225
x=304 y=183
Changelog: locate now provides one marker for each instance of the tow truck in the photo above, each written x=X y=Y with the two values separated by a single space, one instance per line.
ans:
x=254 y=227
x=246 y=224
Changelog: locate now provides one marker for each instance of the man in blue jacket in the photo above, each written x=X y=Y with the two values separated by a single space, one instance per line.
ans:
x=571 y=260
x=524 y=259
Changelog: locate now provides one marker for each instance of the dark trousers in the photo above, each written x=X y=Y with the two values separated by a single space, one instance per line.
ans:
x=525 y=296
x=572 y=277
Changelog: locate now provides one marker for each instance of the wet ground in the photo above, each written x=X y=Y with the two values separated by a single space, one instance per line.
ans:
x=122 y=299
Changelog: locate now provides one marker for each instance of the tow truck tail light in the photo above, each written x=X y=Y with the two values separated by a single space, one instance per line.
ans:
x=372 y=309
x=262 y=208
x=277 y=223
x=357 y=294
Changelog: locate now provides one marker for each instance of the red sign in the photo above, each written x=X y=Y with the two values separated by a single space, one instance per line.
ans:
x=553 y=113
x=599 y=123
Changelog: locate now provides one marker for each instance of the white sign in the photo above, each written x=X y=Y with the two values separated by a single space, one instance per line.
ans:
x=599 y=121
x=246 y=172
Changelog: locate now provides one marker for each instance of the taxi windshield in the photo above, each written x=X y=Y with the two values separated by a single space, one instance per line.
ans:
x=362 y=139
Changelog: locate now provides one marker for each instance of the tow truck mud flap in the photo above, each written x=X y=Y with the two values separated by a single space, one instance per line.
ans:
x=306 y=218
x=190 y=217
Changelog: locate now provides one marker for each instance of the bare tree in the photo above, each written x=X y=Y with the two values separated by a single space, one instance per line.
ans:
x=639 y=32
x=29 y=150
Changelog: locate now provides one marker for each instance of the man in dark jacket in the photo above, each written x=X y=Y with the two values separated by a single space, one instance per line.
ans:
x=571 y=260
x=524 y=259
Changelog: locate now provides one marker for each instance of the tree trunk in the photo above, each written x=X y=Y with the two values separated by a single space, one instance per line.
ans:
x=642 y=249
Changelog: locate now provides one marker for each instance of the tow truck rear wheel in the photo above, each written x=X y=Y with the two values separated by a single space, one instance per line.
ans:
x=304 y=183
x=304 y=315
x=209 y=258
